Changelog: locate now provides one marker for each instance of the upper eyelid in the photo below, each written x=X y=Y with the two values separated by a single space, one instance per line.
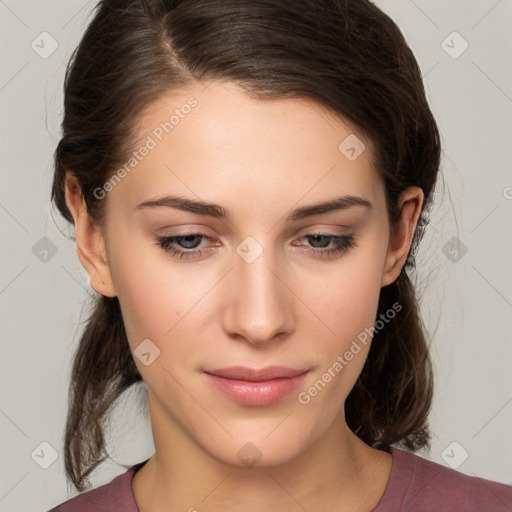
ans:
x=305 y=231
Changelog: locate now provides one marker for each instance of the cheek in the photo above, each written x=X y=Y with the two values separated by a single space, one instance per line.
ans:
x=158 y=296
x=350 y=297
x=348 y=304
x=147 y=295
x=154 y=302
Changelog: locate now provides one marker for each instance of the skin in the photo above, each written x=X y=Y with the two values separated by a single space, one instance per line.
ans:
x=290 y=306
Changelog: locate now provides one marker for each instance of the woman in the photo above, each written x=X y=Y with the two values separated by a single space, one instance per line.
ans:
x=248 y=183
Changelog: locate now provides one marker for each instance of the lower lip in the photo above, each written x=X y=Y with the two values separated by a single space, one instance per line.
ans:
x=256 y=394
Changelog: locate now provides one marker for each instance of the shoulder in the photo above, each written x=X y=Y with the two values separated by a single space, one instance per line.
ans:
x=115 y=496
x=419 y=484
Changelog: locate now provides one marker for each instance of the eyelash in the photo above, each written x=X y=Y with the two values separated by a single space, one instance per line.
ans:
x=343 y=243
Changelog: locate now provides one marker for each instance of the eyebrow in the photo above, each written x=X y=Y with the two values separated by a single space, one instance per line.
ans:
x=218 y=212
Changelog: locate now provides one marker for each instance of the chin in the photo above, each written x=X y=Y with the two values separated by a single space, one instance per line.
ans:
x=260 y=449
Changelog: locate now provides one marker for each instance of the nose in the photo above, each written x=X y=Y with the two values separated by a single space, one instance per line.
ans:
x=259 y=305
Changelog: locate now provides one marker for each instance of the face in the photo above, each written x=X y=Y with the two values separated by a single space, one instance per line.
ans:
x=259 y=281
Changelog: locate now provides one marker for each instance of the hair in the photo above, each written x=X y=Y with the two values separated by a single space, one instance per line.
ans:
x=346 y=55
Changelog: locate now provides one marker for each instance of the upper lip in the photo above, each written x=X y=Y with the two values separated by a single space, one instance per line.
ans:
x=256 y=375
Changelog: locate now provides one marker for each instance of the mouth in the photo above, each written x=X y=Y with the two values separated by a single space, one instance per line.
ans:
x=255 y=387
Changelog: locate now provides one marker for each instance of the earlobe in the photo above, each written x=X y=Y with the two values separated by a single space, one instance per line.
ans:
x=401 y=233
x=90 y=243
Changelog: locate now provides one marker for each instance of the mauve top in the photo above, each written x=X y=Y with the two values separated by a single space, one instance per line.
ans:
x=415 y=485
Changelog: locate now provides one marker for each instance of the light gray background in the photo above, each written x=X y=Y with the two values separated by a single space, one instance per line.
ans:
x=467 y=304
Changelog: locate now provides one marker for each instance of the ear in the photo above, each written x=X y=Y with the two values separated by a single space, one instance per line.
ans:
x=401 y=233
x=90 y=243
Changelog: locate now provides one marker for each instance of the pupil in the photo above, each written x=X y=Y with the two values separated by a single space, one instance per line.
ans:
x=319 y=238
x=187 y=239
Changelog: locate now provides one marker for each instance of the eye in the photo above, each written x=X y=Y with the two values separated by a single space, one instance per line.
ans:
x=187 y=245
x=339 y=244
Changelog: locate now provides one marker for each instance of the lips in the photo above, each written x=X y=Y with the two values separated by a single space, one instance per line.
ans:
x=255 y=387
x=254 y=375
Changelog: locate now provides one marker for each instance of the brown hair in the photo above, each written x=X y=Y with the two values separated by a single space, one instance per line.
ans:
x=346 y=55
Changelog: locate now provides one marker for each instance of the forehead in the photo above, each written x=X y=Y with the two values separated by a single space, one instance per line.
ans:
x=209 y=139
x=222 y=112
